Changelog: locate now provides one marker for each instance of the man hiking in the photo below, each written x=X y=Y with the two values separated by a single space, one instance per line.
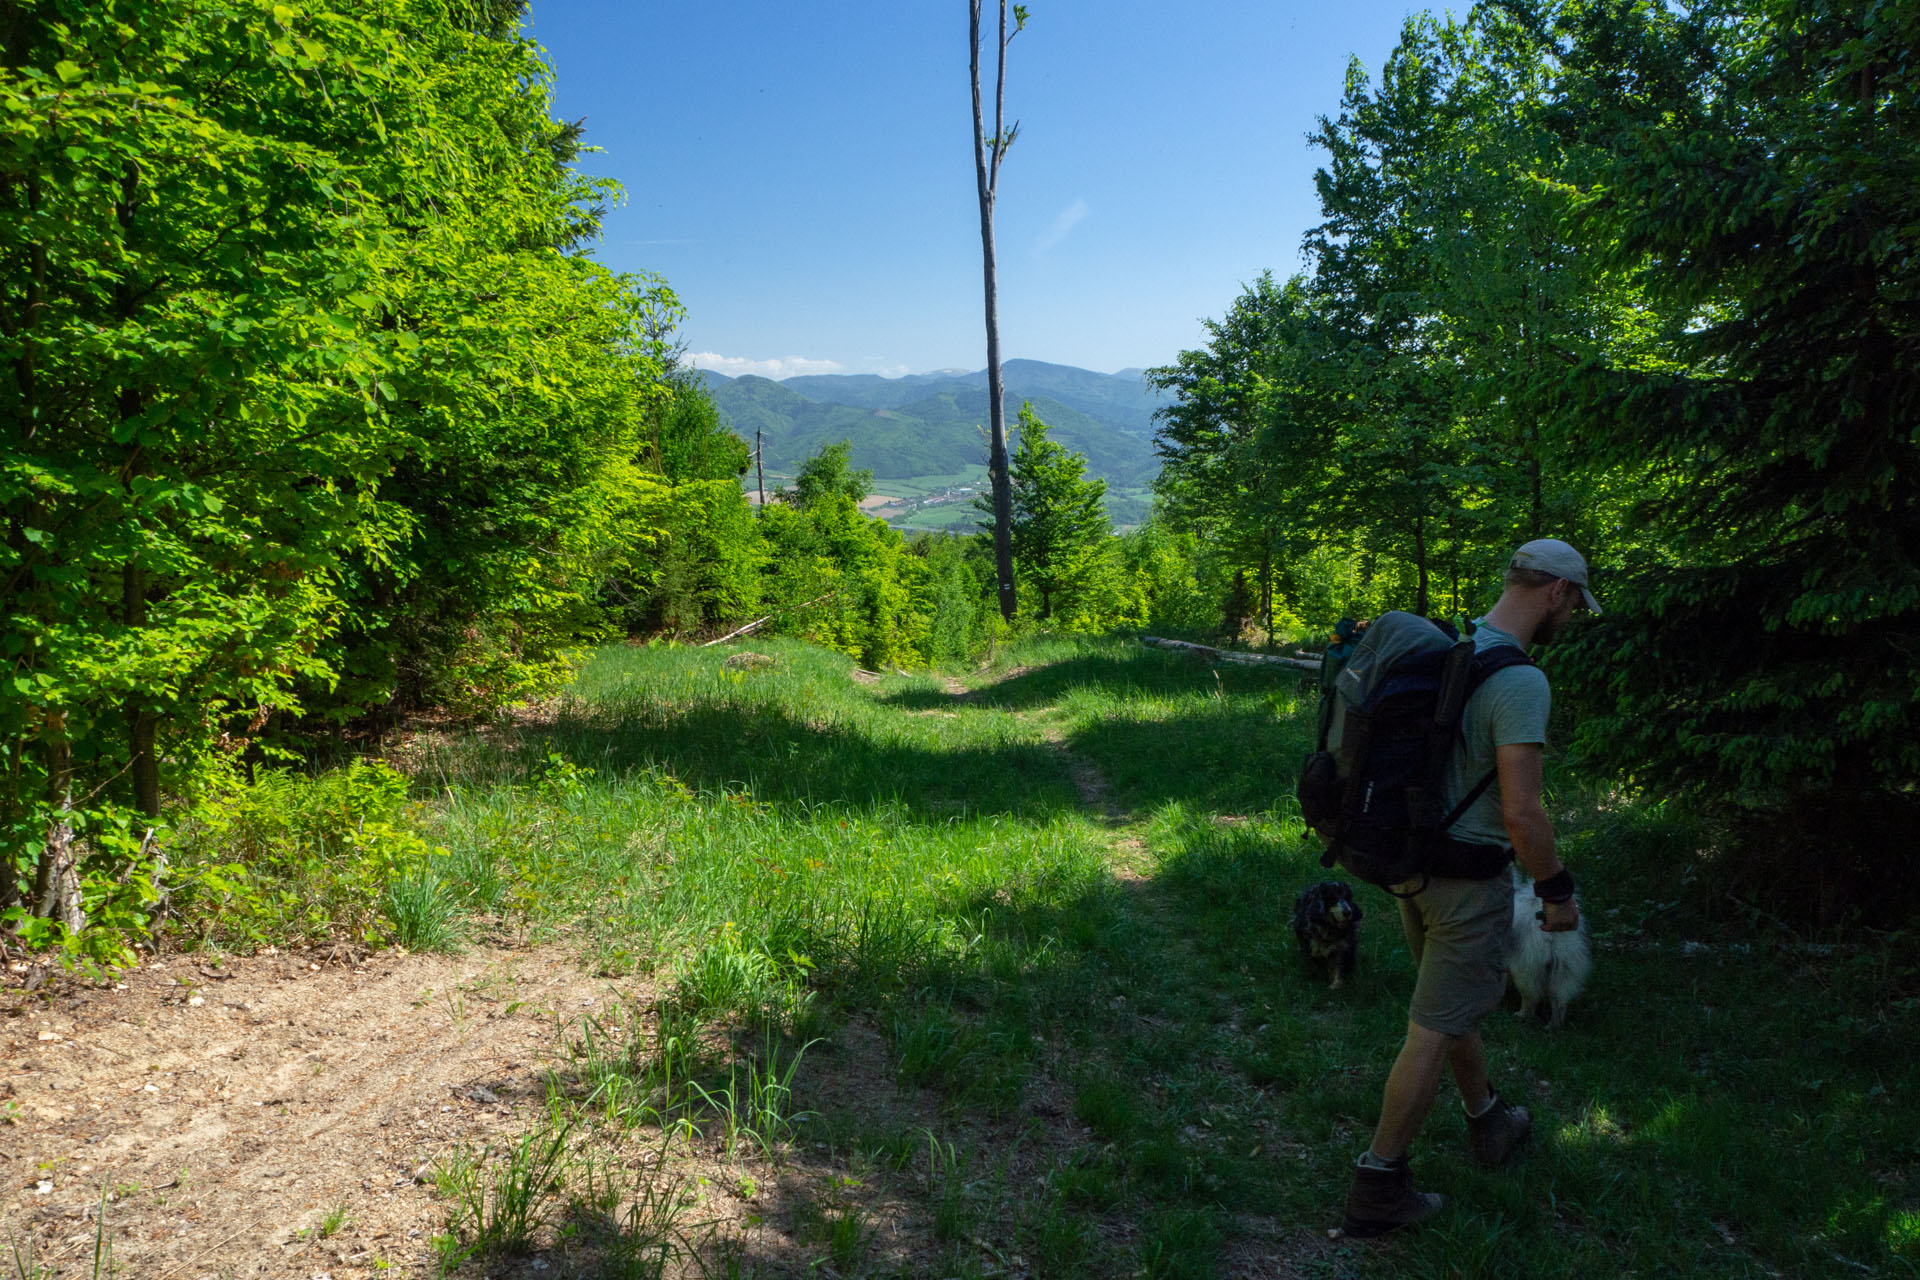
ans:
x=1457 y=928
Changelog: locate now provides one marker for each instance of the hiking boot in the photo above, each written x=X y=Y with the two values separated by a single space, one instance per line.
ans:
x=1384 y=1199
x=1496 y=1133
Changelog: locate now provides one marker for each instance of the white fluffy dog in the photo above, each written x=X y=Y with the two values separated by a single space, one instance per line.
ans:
x=1547 y=969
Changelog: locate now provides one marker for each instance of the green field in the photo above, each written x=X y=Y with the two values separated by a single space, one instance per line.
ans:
x=956 y=517
x=1024 y=936
x=921 y=486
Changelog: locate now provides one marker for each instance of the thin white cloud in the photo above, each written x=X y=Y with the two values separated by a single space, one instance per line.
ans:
x=1067 y=219
x=787 y=367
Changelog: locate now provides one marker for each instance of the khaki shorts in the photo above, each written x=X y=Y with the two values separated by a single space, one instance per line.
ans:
x=1458 y=930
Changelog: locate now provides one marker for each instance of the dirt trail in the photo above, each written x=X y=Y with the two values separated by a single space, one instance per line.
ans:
x=225 y=1115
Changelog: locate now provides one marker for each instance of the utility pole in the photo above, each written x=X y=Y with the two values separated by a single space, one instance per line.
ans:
x=987 y=177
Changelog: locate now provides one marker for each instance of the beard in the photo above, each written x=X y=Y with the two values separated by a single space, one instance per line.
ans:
x=1551 y=624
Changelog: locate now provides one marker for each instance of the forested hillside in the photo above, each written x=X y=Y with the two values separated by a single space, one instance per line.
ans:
x=1124 y=400
x=930 y=424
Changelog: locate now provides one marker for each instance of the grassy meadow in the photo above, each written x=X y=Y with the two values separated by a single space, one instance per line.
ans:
x=991 y=975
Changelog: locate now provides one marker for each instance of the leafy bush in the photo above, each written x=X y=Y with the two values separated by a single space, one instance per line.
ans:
x=293 y=858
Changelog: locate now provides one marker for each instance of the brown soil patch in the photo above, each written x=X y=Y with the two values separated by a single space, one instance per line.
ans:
x=225 y=1110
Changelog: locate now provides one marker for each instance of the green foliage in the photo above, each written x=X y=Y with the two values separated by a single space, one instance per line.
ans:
x=1058 y=522
x=829 y=474
x=194 y=241
x=841 y=578
x=1630 y=276
x=686 y=439
x=700 y=562
x=312 y=411
x=1766 y=657
x=957 y=624
x=291 y=858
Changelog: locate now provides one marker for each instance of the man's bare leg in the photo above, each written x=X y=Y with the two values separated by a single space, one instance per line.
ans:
x=1411 y=1085
x=1468 y=1058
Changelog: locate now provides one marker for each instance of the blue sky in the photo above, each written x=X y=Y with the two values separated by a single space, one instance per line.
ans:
x=802 y=174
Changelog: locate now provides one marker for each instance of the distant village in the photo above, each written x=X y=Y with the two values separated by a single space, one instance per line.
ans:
x=897 y=509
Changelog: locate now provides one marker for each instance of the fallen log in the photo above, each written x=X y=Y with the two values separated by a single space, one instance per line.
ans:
x=1212 y=654
x=757 y=623
x=751 y=626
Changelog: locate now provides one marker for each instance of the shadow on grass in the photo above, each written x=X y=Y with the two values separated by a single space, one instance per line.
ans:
x=783 y=759
x=1177 y=731
x=1661 y=1109
x=1234 y=756
x=1120 y=673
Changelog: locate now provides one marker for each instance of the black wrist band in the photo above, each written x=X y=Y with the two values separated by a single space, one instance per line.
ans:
x=1555 y=888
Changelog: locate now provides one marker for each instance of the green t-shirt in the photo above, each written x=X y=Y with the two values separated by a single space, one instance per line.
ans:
x=1510 y=707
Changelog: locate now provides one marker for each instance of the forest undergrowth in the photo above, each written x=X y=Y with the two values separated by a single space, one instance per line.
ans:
x=1100 y=1053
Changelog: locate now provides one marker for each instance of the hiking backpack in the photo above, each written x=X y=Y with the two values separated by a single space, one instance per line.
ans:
x=1376 y=786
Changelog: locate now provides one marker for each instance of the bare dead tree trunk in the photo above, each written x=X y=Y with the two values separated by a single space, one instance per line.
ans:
x=57 y=885
x=162 y=892
x=987 y=154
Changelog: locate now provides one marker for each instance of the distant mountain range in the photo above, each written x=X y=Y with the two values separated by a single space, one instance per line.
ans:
x=930 y=424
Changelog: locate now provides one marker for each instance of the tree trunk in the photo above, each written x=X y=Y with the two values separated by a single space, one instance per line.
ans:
x=987 y=178
x=997 y=420
x=9 y=882
x=1266 y=594
x=1420 y=563
x=56 y=888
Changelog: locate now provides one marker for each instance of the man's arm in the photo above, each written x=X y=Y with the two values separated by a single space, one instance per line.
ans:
x=1522 y=773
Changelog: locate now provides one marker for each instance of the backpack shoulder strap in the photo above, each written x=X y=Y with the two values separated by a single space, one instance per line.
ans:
x=1489 y=662
x=1485 y=664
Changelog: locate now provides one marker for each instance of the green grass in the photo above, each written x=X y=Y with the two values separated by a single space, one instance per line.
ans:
x=789 y=849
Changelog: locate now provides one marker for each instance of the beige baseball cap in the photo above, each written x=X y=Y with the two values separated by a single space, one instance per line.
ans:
x=1550 y=555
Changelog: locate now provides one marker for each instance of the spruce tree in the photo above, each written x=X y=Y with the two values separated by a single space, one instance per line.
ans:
x=1059 y=523
x=1759 y=172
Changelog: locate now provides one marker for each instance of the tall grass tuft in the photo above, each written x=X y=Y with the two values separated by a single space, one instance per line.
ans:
x=501 y=1201
x=423 y=911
